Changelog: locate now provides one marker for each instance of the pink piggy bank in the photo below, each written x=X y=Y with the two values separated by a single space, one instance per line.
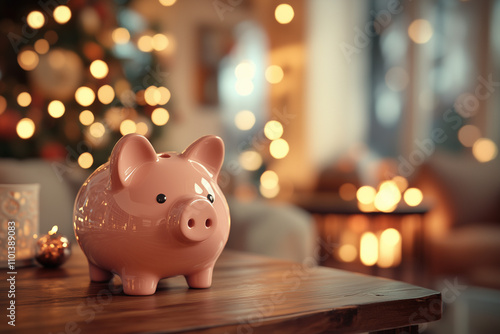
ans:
x=147 y=216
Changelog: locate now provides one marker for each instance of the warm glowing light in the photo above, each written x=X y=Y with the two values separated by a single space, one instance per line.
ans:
x=400 y=182
x=413 y=196
x=127 y=126
x=420 y=31
x=28 y=60
x=152 y=95
x=42 y=46
x=164 y=95
x=269 y=179
x=25 y=128
x=348 y=253
x=390 y=248
x=274 y=74
x=159 y=42
x=85 y=160
x=86 y=117
x=145 y=43
x=370 y=207
x=56 y=109
x=35 y=19
x=167 y=3
x=53 y=230
x=244 y=87
x=269 y=193
x=62 y=14
x=3 y=104
x=160 y=116
x=273 y=130
x=106 y=94
x=484 y=150
x=245 y=70
x=24 y=99
x=368 y=249
x=284 y=13
x=97 y=130
x=142 y=128
x=279 y=148
x=84 y=96
x=244 y=120
x=99 y=69
x=468 y=135
x=366 y=194
x=120 y=35
x=347 y=191
x=250 y=160
x=387 y=197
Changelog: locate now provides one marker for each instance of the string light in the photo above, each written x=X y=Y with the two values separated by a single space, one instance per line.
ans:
x=284 y=13
x=56 y=109
x=25 y=128
x=24 y=99
x=86 y=117
x=35 y=19
x=62 y=14
x=99 y=69
x=160 y=116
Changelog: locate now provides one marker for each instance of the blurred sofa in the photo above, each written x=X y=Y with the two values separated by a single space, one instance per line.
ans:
x=281 y=231
x=464 y=225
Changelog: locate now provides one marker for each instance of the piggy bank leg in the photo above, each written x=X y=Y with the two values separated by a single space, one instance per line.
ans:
x=140 y=285
x=99 y=275
x=201 y=279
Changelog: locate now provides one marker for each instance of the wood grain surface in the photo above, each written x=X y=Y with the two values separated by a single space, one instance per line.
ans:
x=250 y=294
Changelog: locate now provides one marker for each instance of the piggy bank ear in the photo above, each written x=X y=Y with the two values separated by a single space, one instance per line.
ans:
x=209 y=152
x=129 y=153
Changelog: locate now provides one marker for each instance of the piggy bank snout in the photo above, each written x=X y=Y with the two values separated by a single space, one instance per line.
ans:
x=197 y=220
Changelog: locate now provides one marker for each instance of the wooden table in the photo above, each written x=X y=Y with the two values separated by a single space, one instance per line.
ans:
x=250 y=294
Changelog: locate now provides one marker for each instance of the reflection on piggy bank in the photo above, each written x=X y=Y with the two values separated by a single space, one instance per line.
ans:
x=146 y=216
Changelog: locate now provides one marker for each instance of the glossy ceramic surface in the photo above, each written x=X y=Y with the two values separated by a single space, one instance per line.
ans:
x=146 y=216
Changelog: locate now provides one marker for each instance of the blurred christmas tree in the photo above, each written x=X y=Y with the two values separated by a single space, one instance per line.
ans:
x=75 y=77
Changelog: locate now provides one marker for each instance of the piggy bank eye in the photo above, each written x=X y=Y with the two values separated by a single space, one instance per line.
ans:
x=211 y=198
x=161 y=198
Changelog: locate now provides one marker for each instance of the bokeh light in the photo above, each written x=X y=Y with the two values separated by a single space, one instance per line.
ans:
x=420 y=31
x=484 y=150
x=106 y=94
x=273 y=130
x=25 y=128
x=245 y=70
x=164 y=95
x=85 y=160
x=348 y=253
x=142 y=128
x=3 y=104
x=127 y=126
x=284 y=13
x=269 y=179
x=388 y=197
x=56 y=109
x=250 y=160
x=400 y=182
x=28 y=60
x=24 y=99
x=244 y=87
x=159 y=42
x=35 y=19
x=85 y=96
x=279 y=148
x=269 y=193
x=390 y=248
x=347 y=191
x=99 y=69
x=97 y=130
x=160 y=116
x=145 y=43
x=86 y=117
x=62 y=14
x=468 y=135
x=167 y=3
x=368 y=251
x=413 y=196
x=274 y=74
x=152 y=95
x=366 y=194
x=42 y=46
x=120 y=35
x=244 y=120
